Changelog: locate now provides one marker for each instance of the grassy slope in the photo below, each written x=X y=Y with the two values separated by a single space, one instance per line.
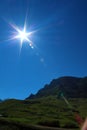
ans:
x=37 y=111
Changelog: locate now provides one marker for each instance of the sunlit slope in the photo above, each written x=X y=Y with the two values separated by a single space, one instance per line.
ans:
x=38 y=111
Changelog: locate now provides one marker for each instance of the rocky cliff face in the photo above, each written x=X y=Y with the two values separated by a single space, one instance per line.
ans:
x=73 y=87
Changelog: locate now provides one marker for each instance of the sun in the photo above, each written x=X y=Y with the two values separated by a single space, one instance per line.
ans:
x=22 y=35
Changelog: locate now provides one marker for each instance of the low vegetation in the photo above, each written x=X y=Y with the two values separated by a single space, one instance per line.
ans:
x=47 y=111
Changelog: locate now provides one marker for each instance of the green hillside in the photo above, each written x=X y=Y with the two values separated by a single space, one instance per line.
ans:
x=47 y=111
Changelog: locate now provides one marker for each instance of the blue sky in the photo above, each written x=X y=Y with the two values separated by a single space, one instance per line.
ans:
x=60 y=40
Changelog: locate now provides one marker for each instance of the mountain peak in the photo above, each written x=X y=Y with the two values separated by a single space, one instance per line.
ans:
x=73 y=87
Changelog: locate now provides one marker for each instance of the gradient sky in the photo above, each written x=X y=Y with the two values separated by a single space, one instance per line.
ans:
x=61 y=44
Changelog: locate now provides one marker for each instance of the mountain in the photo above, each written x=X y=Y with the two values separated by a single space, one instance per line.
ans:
x=72 y=87
x=44 y=111
x=36 y=114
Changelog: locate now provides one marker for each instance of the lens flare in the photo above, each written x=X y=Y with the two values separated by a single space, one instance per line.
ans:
x=22 y=35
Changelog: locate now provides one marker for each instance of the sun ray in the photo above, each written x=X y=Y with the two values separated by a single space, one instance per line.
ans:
x=22 y=35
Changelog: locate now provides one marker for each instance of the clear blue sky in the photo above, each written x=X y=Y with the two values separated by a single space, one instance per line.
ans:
x=61 y=44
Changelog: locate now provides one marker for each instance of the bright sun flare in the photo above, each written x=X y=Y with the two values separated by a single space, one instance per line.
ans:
x=22 y=35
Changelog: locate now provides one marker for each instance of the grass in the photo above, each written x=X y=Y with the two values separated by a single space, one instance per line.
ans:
x=28 y=113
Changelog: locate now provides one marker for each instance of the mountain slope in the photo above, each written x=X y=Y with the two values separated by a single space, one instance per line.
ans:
x=73 y=87
x=44 y=108
x=47 y=111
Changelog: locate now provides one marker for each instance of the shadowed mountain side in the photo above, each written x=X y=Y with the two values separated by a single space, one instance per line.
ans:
x=72 y=87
